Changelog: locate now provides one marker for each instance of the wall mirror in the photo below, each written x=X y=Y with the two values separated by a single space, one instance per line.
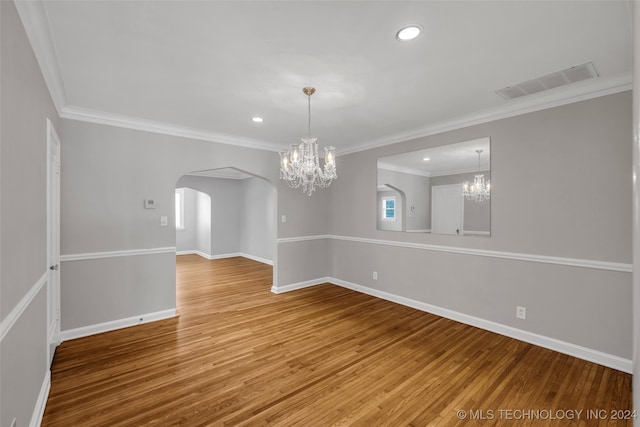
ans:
x=440 y=190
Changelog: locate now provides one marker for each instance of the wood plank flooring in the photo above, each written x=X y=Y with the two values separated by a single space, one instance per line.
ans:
x=239 y=355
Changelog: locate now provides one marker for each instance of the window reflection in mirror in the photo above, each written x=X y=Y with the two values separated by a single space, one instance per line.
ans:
x=427 y=188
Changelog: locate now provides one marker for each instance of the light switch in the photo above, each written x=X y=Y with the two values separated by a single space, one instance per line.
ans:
x=284 y=218
x=164 y=221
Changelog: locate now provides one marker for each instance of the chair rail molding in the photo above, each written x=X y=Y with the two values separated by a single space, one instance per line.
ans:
x=8 y=322
x=571 y=262
x=115 y=254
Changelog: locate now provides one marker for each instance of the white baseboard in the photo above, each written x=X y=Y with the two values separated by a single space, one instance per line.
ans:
x=185 y=252
x=41 y=403
x=202 y=254
x=300 y=285
x=257 y=258
x=223 y=256
x=113 y=325
x=595 y=356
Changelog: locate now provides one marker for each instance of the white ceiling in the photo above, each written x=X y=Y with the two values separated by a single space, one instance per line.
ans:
x=448 y=159
x=205 y=68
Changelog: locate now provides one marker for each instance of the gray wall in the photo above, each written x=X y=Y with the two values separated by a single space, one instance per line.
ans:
x=551 y=154
x=417 y=194
x=107 y=172
x=25 y=106
x=225 y=219
x=96 y=291
x=299 y=261
x=258 y=228
x=243 y=216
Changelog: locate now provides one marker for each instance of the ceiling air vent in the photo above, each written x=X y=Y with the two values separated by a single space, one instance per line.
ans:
x=550 y=81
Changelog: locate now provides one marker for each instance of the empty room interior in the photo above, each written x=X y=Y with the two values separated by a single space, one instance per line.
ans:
x=319 y=213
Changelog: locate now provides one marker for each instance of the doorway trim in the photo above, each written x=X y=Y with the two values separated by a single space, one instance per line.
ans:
x=53 y=241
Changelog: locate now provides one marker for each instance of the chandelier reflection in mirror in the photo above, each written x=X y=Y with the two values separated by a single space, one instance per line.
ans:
x=478 y=191
x=300 y=165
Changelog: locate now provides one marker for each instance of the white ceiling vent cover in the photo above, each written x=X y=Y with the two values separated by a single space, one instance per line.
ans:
x=550 y=81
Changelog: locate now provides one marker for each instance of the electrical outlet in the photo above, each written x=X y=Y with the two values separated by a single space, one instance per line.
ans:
x=284 y=218
x=521 y=312
x=375 y=275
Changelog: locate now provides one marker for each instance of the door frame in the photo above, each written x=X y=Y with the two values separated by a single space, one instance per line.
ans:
x=53 y=241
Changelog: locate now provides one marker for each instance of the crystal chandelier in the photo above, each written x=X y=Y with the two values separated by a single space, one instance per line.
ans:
x=478 y=191
x=299 y=165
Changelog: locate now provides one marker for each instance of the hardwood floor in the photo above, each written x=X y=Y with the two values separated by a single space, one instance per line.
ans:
x=322 y=356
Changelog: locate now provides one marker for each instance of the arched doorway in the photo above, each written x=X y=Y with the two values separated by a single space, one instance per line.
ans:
x=232 y=213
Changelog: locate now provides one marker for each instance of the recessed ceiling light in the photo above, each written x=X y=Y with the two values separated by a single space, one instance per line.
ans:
x=409 y=32
x=426 y=159
x=257 y=119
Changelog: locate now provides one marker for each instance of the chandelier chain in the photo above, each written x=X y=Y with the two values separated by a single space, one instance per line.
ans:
x=309 y=111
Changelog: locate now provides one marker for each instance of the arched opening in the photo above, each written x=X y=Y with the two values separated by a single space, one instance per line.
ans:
x=226 y=212
x=395 y=199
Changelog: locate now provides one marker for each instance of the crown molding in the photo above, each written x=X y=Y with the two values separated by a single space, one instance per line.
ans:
x=582 y=91
x=35 y=21
x=36 y=24
x=459 y=172
x=555 y=98
x=82 y=114
x=394 y=168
